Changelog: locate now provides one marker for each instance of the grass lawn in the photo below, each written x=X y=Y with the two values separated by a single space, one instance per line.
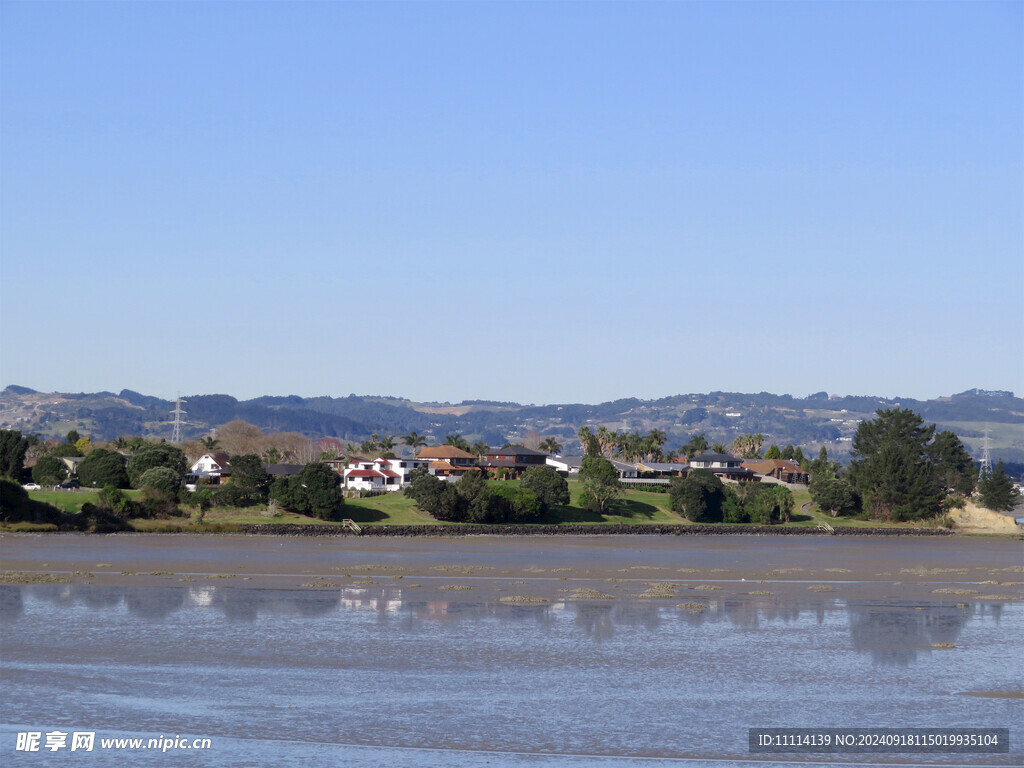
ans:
x=70 y=502
x=634 y=507
x=390 y=509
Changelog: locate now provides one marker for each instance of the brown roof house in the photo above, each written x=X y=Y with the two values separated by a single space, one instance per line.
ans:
x=447 y=461
x=780 y=469
x=513 y=461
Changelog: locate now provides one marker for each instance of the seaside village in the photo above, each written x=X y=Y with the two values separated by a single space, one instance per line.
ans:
x=364 y=475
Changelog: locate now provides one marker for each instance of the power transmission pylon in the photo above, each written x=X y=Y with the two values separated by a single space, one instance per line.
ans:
x=986 y=457
x=178 y=413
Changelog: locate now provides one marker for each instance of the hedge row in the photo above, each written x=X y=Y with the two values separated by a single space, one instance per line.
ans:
x=581 y=530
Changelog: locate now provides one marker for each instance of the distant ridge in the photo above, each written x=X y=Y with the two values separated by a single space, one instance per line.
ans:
x=814 y=421
x=14 y=389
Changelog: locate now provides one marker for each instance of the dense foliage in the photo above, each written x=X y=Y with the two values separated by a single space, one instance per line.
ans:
x=102 y=467
x=17 y=507
x=249 y=484
x=115 y=501
x=473 y=499
x=49 y=470
x=902 y=470
x=314 y=491
x=701 y=497
x=600 y=482
x=162 y=479
x=551 y=488
x=997 y=491
x=698 y=497
x=834 y=495
x=13 y=447
x=156 y=455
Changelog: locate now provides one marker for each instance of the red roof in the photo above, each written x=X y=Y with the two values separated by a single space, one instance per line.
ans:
x=389 y=473
x=364 y=473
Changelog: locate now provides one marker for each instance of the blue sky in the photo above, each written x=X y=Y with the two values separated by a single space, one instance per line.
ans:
x=540 y=202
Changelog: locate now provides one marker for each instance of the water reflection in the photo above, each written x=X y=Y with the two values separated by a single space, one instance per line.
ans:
x=895 y=635
x=11 y=604
x=891 y=634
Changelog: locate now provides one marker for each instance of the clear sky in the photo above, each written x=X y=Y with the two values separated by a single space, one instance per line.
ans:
x=539 y=202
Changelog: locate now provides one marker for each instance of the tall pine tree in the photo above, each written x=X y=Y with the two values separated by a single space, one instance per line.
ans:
x=893 y=469
x=997 y=491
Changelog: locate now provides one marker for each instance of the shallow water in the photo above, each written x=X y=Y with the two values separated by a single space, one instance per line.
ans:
x=374 y=676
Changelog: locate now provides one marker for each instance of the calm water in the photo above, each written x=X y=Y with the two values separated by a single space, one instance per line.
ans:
x=375 y=677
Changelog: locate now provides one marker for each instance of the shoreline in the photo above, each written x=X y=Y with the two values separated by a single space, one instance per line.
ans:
x=582 y=530
x=475 y=568
x=546 y=530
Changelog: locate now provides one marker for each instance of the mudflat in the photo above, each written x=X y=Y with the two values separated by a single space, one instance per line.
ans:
x=538 y=568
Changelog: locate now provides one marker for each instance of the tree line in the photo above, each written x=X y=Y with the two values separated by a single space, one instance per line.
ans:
x=902 y=469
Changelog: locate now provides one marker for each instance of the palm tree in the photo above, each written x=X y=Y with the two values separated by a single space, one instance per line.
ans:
x=719 y=448
x=414 y=440
x=608 y=440
x=588 y=442
x=479 y=448
x=457 y=440
x=748 y=446
x=696 y=446
x=550 y=445
x=210 y=443
x=386 y=443
x=655 y=440
x=630 y=446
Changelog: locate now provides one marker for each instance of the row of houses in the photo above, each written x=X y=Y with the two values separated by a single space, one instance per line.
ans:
x=450 y=463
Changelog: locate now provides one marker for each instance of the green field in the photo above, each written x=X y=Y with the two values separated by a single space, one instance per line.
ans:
x=635 y=507
x=71 y=502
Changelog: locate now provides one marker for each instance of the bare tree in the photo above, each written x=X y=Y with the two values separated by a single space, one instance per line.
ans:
x=238 y=437
x=532 y=440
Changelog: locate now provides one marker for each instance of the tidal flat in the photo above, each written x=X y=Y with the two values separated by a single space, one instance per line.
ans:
x=489 y=651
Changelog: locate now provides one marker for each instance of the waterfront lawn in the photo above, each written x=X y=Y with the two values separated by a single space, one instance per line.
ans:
x=389 y=509
x=70 y=502
x=633 y=507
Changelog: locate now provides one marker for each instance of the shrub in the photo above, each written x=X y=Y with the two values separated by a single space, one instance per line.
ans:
x=163 y=479
x=551 y=488
x=103 y=467
x=509 y=504
x=49 y=470
x=203 y=498
x=17 y=507
x=156 y=455
x=698 y=496
x=833 y=495
x=732 y=507
x=114 y=500
x=434 y=496
x=98 y=520
x=155 y=504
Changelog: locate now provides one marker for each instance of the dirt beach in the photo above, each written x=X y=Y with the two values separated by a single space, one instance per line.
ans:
x=539 y=568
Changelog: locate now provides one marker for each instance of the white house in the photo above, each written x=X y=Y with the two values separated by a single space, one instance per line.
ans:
x=724 y=465
x=568 y=464
x=571 y=466
x=210 y=467
x=211 y=462
x=379 y=474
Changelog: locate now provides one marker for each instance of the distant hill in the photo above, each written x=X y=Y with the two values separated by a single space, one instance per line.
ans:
x=811 y=422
